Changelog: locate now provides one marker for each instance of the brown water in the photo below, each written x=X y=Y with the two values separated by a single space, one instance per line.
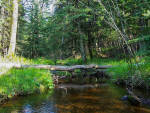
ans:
x=74 y=99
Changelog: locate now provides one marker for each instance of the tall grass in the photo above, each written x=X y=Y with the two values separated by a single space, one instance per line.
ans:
x=136 y=68
x=24 y=81
x=30 y=80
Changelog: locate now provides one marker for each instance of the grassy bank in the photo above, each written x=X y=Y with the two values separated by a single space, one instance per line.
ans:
x=25 y=81
x=135 y=72
x=15 y=82
x=122 y=68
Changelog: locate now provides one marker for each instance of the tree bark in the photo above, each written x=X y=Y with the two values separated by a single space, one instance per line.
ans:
x=82 y=48
x=13 y=28
x=90 y=45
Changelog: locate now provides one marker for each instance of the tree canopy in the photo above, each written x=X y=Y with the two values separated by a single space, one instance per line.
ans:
x=59 y=29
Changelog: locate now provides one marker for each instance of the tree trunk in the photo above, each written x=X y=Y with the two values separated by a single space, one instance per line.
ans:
x=90 y=45
x=1 y=30
x=82 y=48
x=13 y=29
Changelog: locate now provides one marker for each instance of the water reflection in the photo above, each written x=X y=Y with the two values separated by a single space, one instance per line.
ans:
x=103 y=99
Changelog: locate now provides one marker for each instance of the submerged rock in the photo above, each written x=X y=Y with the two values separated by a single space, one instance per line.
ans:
x=133 y=101
x=124 y=98
x=145 y=101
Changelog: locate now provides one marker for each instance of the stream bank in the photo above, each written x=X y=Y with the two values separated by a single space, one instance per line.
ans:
x=90 y=79
x=74 y=98
x=100 y=77
x=23 y=82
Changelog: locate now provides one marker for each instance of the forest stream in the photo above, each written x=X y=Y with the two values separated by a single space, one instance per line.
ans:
x=74 y=56
x=74 y=98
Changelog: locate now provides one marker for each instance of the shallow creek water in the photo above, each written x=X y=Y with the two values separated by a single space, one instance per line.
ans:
x=71 y=98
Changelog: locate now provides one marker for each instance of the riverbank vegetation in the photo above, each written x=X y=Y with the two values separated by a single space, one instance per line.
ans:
x=71 y=32
x=25 y=81
x=123 y=72
x=18 y=82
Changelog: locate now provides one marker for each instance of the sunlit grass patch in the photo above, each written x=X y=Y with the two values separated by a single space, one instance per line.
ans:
x=24 y=81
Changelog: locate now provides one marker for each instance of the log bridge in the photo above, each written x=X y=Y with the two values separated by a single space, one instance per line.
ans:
x=55 y=67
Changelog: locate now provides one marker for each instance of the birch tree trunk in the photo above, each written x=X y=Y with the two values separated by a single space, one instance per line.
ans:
x=13 y=29
x=1 y=29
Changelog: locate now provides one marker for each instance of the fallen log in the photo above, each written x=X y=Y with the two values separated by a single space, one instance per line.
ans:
x=55 y=67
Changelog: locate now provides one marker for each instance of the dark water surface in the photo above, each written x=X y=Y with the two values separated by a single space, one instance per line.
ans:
x=74 y=99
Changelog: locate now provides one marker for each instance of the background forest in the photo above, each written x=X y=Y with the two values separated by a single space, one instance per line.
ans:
x=73 y=28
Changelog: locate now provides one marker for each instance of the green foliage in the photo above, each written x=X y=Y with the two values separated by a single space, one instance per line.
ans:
x=101 y=32
x=70 y=61
x=57 y=36
x=63 y=73
x=119 y=72
x=24 y=81
x=121 y=69
x=140 y=39
x=135 y=72
x=43 y=61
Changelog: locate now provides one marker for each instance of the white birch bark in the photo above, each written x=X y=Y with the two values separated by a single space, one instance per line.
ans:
x=13 y=28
